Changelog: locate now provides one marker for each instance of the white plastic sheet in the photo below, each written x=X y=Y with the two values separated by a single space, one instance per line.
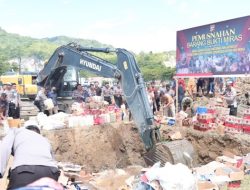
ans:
x=174 y=177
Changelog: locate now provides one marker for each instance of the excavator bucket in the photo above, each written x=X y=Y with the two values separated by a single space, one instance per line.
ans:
x=179 y=151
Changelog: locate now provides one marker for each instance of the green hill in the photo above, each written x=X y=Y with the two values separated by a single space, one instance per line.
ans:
x=14 y=46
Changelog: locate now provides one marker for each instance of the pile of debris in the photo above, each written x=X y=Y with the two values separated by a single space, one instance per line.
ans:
x=227 y=170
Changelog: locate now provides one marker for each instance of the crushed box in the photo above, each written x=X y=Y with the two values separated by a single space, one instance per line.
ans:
x=207 y=186
x=236 y=161
x=233 y=173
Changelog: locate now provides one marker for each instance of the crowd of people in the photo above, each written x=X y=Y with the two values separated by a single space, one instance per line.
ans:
x=113 y=95
x=110 y=94
x=163 y=96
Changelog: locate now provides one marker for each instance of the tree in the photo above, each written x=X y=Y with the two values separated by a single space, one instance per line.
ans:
x=152 y=66
x=4 y=65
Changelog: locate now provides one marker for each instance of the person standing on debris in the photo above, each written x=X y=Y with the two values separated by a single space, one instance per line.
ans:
x=200 y=87
x=32 y=153
x=247 y=98
x=7 y=90
x=98 y=90
x=4 y=105
x=169 y=90
x=230 y=96
x=181 y=94
x=53 y=96
x=92 y=90
x=86 y=94
x=39 y=100
x=191 y=87
x=156 y=97
x=78 y=94
x=151 y=97
x=182 y=82
x=210 y=86
x=168 y=106
x=14 y=103
x=107 y=93
x=8 y=93
x=163 y=88
x=118 y=95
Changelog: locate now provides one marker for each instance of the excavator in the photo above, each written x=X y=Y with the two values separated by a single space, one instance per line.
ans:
x=73 y=57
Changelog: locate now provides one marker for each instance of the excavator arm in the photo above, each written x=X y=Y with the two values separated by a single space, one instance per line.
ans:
x=125 y=70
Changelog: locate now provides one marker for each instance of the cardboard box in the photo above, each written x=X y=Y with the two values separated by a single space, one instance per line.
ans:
x=207 y=186
x=209 y=168
x=236 y=174
x=220 y=129
x=228 y=154
x=175 y=135
x=233 y=173
x=236 y=161
x=15 y=123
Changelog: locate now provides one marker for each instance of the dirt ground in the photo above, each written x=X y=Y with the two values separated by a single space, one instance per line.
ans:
x=99 y=147
x=209 y=145
x=118 y=146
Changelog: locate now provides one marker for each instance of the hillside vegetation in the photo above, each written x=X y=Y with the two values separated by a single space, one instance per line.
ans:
x=14 y=46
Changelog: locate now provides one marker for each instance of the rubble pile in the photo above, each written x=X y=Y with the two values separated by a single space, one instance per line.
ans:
x=226 y=171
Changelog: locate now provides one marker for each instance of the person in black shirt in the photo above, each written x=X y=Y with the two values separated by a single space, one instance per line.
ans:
x=98 y=89
x=4 y=105
x=200 y=86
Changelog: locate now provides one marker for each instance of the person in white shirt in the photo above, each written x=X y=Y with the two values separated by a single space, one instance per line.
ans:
x=230 y=96
x=107 y=93
x=32 y=153
x=40 y=98
x=14 y=102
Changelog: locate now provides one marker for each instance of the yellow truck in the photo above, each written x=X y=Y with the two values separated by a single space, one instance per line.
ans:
x=26 y=83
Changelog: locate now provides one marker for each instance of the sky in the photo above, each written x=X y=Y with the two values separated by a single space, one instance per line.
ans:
x=136 y=25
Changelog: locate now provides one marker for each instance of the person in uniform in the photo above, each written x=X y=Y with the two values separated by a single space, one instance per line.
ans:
x=32 y=153
x=230 y=96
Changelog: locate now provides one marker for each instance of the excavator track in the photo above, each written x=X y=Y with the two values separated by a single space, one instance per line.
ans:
x=179 y=151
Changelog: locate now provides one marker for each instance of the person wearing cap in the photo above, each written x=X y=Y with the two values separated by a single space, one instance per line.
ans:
x=230 y=96
x=32 y=153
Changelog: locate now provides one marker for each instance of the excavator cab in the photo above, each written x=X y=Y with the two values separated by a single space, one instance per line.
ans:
x=126 y=71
